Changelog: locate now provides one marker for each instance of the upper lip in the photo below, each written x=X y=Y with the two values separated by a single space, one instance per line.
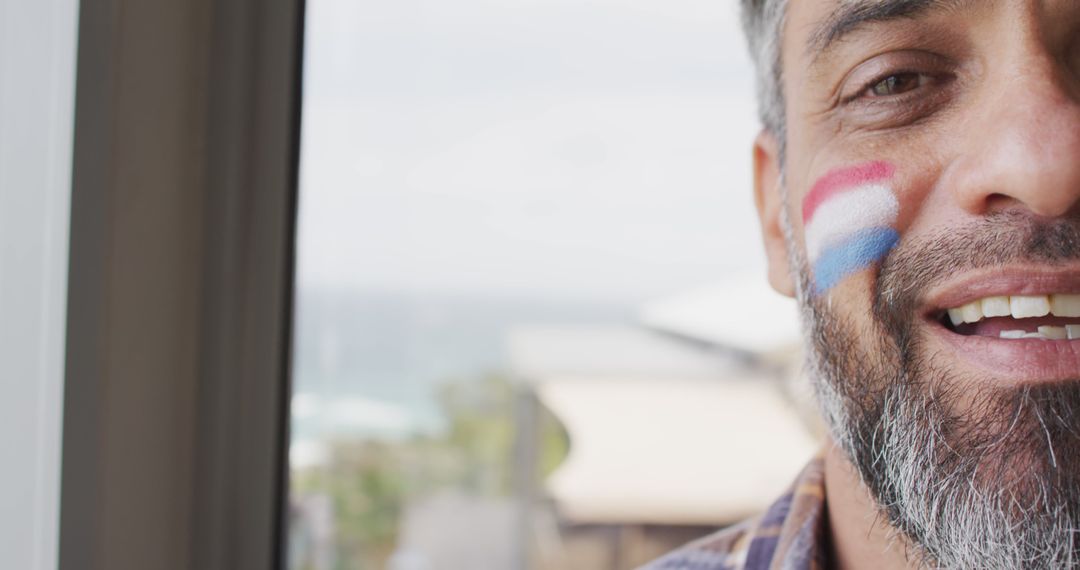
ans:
x=1001 y=281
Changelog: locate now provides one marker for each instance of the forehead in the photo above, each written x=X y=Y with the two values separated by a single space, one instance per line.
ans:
x=814 y=27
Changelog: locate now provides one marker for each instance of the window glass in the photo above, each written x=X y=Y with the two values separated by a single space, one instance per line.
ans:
x=528 y=269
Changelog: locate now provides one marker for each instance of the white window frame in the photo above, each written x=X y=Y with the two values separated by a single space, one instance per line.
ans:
x=37 y=91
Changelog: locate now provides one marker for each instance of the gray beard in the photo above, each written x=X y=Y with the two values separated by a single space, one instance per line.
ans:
x=984 y=477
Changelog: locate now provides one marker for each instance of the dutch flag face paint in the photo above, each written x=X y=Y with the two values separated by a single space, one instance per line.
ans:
x=849 y=218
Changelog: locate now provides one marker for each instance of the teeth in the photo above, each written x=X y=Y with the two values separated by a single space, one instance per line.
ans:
x=1067 y=332
x=998 y=307
x=956 y=316
x=1065 y=305
x=1017 y=307
x=972 y=312
x=1024 y=306
x=1054 y=333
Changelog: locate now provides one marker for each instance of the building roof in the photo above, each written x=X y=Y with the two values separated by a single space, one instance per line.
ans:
x=673 y=451
x=538 y=353
x=742 y=313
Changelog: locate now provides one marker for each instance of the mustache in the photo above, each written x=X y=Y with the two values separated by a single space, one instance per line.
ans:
x=998 y=239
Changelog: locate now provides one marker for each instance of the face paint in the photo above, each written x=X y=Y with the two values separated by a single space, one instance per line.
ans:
x=848 y=218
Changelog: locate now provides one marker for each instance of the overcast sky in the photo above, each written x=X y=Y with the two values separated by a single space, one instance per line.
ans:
x=597 y=149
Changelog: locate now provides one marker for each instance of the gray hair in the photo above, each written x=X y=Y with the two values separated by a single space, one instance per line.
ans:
x=763 y=22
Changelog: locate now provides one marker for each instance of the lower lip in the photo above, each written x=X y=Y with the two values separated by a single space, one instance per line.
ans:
x=1015 y=361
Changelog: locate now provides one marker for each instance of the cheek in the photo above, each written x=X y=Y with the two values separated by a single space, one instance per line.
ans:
x=926 y=207
x=849 y=222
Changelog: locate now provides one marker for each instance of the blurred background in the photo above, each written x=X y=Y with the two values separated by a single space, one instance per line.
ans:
x=532 y=325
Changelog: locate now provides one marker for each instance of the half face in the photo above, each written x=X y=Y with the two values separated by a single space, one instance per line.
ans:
x=933 y=159
x=930 y=184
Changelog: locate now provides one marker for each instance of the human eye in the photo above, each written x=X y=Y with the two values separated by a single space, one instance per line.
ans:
x=895 y=89
x=896 y=84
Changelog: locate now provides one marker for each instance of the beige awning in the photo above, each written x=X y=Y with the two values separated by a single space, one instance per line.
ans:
x=672 y=451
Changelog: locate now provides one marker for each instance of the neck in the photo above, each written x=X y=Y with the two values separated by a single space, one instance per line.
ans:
x=861 y=537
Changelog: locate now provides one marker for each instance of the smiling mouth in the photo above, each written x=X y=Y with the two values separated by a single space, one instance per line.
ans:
x=1052 y=317
x=1020 y=325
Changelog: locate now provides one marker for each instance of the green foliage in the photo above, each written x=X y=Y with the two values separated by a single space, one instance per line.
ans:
x=481 y=429
x=370 y=483
x=367 y=488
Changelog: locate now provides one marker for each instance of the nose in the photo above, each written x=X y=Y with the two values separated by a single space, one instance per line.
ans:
x=1023 y=147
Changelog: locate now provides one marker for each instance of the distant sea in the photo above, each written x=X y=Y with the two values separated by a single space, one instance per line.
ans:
x=391 y=350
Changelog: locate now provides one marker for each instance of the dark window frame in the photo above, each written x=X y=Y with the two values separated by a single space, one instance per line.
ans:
x=181 y=285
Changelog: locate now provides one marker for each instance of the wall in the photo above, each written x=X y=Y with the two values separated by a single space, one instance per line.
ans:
x=37 y=84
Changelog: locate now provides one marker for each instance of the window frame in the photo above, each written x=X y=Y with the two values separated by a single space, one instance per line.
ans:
x=37 y=85
x=181 y=284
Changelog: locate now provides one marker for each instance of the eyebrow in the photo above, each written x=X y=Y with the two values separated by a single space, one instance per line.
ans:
x=853 y=15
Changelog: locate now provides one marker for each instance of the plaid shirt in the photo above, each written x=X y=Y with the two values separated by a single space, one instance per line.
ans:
x=791 y=535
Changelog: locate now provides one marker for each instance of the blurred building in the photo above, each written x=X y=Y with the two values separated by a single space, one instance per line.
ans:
x=690 y=422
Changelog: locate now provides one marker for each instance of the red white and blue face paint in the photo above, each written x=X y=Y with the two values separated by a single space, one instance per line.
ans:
x=849 y=217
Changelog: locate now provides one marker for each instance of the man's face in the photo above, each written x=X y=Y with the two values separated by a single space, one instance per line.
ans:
x=932 y=179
